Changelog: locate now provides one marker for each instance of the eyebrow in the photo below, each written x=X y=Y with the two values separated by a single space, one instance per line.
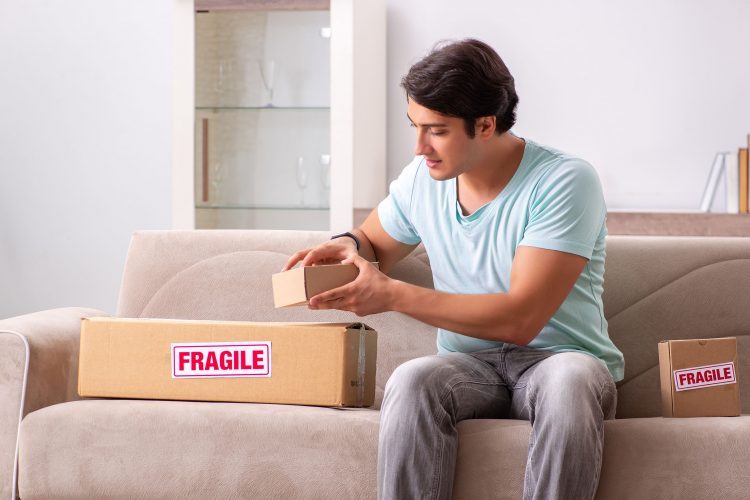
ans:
x=426 y=124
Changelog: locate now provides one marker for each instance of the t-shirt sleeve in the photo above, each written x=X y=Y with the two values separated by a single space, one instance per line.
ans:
x=395 y=210
x=568 y=210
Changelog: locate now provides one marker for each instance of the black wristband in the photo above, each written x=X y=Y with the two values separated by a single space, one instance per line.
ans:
x=349 y=235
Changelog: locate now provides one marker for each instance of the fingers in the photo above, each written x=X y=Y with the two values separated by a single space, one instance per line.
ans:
x=342 y=303
x=325 y=254
x=357 y=260
x=308 y=257
x=311 y=257
x=334 y=303
x=336 y=294
x=296 y=257
x=349 y=260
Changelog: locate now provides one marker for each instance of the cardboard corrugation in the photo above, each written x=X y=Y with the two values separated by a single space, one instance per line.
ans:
x=711 y=401
x=312 y=363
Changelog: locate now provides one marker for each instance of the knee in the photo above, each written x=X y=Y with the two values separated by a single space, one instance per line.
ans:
x=411 y=376
x=573 y=381
x=421 y=379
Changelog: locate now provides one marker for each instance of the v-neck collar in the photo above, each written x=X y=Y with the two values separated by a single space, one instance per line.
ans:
x=476 y=215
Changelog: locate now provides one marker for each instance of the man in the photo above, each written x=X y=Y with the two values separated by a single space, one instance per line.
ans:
x=515 y=235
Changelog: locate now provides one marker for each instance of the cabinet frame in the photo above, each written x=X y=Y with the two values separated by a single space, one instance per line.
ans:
x=357 y=104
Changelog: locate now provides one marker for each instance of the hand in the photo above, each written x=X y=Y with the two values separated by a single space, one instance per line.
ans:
x=330 y=252
x=372 y=292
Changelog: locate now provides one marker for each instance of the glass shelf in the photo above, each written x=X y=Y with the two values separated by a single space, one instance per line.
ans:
x=261 y=108
x=263 y=159
x=259 y=207
x=262 y=120
x=279 y=217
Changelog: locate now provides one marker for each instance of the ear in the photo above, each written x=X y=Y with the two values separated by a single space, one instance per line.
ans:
x=484 y=126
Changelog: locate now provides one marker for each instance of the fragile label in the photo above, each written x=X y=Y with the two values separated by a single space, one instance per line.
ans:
x=221 y=359
x=704 y=376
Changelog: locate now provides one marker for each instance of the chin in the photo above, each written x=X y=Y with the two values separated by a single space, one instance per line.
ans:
x=441 y=175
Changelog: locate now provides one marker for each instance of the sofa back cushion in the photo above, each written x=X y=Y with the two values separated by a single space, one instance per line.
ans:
x=664 y=288
x=226 y=275
x=656 y=288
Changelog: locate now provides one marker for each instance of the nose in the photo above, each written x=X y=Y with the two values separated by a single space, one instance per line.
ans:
x=422 y=146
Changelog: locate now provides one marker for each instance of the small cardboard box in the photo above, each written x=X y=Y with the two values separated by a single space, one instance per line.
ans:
x=296 y=286
x=699 y=378
x=322 y=364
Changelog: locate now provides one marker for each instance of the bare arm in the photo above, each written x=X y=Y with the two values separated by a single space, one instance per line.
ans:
x=540 y=282
x=379 y=246
x=375 y=246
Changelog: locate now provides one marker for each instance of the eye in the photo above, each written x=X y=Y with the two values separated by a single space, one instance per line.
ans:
x=437 y=132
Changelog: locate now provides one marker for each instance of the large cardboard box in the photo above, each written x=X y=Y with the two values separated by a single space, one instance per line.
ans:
x=324 y=364
x=699 y=378
x=296 y=286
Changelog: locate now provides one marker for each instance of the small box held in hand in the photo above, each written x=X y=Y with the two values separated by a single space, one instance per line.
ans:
x=296 y=286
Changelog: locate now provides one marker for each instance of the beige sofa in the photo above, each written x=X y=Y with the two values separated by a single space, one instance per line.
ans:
x=656 y=288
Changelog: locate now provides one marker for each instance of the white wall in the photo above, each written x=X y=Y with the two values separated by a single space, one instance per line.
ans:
x=86 y=97
x=647 y=91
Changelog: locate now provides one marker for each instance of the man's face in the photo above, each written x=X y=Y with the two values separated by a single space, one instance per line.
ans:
x=443 y=142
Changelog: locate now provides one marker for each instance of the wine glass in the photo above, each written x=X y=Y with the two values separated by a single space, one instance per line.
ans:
x=267 y=68
x=325 y=171
x=301 y=178
x=219 y=76
x=224 y=74
x=217 y=179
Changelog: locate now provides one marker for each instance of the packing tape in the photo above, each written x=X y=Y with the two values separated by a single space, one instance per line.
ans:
x=361 y=367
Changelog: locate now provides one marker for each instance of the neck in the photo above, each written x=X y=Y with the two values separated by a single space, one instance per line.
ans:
x=493 y=172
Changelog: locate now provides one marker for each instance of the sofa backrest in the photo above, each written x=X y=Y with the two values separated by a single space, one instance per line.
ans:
x=668 y=287
x=655 y=288
x=226 y=275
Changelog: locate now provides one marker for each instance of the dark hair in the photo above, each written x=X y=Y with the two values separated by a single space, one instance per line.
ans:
x=466 y=79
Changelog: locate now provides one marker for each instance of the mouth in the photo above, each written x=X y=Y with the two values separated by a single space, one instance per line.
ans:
x=432 y=163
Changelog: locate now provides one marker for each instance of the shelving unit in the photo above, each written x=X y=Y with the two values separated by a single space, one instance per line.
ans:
x=268 y=100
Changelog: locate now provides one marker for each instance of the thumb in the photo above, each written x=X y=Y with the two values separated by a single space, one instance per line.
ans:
x=357 y=260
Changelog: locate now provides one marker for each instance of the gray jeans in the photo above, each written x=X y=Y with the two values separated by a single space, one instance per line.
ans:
x=565 y=396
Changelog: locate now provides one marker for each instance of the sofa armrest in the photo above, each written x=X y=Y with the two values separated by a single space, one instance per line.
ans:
x=38 y=368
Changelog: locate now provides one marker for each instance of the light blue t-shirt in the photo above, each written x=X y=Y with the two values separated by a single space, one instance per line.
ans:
x=554 y=201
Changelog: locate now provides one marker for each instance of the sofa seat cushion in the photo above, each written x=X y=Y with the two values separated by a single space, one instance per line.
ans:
x=182 y=449
x=176 y=449
x=665 y=458
x=679 y=458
